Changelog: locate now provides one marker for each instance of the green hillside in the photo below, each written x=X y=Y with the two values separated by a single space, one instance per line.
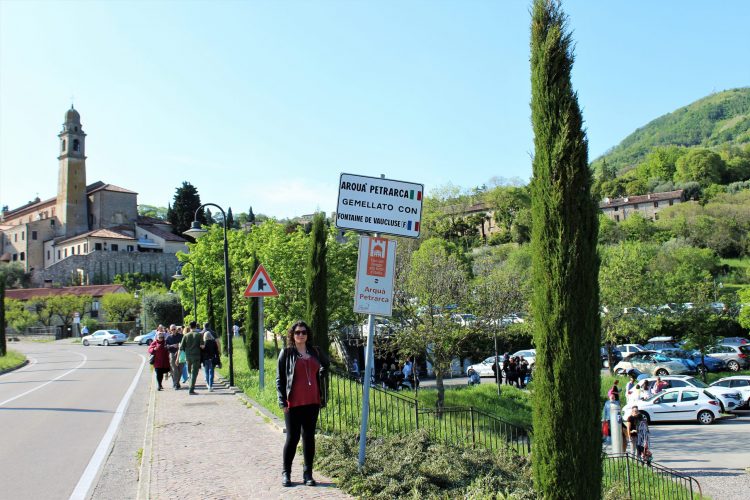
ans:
x=719 y=119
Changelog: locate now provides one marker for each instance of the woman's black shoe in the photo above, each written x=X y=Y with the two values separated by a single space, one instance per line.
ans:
x=308 y=479
x=285 y=481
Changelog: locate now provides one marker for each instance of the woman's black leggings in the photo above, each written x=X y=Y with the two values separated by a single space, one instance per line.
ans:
x=160 y=372
x=304 y=419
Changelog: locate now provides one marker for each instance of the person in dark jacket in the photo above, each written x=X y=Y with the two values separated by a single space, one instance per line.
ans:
x=158 y=349
x=301 y=387
x=209 y=358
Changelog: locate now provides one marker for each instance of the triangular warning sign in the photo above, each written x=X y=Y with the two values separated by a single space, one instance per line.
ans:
x=261 y=285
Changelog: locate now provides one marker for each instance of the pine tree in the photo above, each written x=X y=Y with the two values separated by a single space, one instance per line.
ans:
x=252 y=349
x=567 y=443
x=316 y=278
x=209 y=217
x=230 y=219
x=250 y=215
x=182 y=211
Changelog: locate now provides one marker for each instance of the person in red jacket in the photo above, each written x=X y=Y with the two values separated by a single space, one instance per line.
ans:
x=161 y=357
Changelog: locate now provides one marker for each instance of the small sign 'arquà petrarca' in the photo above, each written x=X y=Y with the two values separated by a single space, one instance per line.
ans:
x=377 y=205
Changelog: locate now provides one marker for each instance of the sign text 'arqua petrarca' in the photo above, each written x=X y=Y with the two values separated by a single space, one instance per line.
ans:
x=377 y=205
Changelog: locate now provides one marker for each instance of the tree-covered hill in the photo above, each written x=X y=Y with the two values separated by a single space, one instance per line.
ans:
x=716 y=120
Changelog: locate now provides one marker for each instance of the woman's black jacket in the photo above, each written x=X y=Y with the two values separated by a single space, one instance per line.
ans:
x=285 y=374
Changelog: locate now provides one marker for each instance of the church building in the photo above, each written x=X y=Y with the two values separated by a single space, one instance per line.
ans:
x=88 y=232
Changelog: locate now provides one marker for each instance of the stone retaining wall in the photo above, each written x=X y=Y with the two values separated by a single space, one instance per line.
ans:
x=100 y=267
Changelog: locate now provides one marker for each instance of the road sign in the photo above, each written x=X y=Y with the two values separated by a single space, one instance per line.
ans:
x=377 y=205
x=373 y=293
x=261 y=285
x=76 y=317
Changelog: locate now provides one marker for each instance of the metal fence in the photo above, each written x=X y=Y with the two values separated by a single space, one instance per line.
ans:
x=394 y=412
x=630 y=478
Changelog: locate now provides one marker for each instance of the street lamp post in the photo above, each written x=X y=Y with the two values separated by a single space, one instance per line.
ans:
x=196 y=232
x=178 y=276
x=139 y=294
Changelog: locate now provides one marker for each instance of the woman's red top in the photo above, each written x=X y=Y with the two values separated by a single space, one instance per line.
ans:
x=161 y=355
x=305 y=383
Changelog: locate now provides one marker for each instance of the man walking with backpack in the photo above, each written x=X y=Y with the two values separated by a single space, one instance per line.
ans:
x=191 y=345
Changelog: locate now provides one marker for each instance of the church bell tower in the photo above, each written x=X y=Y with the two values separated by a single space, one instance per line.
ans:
x=72 y=205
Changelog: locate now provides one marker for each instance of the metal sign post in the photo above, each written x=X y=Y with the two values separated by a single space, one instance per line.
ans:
x=261 y=286
x=369 y=362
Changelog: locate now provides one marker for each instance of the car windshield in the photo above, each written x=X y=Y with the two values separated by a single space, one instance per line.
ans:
x=695 y=382
x=660 y=358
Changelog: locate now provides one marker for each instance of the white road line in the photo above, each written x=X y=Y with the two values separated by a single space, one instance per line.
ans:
x=89 y=475
x=49 y=381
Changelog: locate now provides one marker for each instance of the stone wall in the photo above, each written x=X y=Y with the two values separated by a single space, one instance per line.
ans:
x=101 y=267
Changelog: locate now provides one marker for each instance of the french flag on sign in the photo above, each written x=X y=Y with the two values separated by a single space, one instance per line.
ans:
x=416 y=225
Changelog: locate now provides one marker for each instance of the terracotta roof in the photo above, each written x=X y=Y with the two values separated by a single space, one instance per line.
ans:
x=144 y=219
x=110 y=187
x=631 y=200
x=119 y=232
x=166 y=235
x=35 y=293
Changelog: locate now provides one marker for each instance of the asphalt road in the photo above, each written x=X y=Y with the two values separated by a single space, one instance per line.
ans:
x=57 y=414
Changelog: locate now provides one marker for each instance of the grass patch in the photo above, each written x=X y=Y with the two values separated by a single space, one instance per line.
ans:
x=12 y=359
x=644 y=482
x=414 y=466
x=139 y=456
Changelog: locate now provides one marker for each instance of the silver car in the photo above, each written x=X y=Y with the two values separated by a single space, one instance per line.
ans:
x=105 y=337
x=651 y=362
x=736 y=357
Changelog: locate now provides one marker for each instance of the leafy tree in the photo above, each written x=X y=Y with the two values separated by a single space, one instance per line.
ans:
x=18 y=316
x=162 y=308
x=316 y=280
x=142 y=281
x=661 y=162
x=153 y=212
x=11 y=276
x=182 y=212
x=567 y=451
x=637 y=228
x=744 y=316
x=120 y=306
x=700 y=165
x=64 y=307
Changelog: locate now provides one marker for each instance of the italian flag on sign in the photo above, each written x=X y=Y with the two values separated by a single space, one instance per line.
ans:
x=411 y=194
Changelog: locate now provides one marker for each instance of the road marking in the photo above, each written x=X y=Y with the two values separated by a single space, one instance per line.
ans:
x=92 y=469
x=49 y=381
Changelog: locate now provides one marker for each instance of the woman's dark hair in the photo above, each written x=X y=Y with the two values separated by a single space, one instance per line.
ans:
x=290 y=333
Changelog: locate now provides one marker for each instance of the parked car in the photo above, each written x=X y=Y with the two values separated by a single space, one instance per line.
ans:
x=464 y=319
x=616 y=356
x=685 y=404
x=658 y=343
x=736 y=357
x=146 y=338
x=711 y=364
x=628 y=350
x=738 y=382
x=730 y=399
x=674 y=354
x=484 y=368
x=651 y=362
x=735 y=341
x=105 y=337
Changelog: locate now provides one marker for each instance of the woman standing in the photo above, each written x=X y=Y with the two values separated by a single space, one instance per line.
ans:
x=301 y=389
x=159 y=350
x=209 y=354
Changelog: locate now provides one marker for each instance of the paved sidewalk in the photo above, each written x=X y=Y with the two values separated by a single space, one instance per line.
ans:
x=213 y=446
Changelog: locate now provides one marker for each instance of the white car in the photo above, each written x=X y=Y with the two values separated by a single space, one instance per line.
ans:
x=730 y=399
x=628 y=350
x=672 y=405
x=740 y=383
x=105 y=337
x=484 y=368
x=146 y=338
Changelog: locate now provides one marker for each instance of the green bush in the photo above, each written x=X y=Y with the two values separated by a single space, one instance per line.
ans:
x=414 y=466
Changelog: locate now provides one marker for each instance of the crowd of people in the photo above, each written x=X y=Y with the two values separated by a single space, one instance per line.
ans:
x=514 y=370
x=179 y=353
x=634 y=428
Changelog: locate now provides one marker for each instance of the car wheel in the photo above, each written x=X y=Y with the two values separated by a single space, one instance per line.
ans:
x=619 y=371
x=661 y=372
x=702 y=370
x=120 y=343
x=705 y=417
x=105 y=342
x=733 y=366
x=85 y=342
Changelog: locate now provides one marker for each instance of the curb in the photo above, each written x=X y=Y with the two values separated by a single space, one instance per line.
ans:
x=272 y=419
x=14 y=368
x=144 y=472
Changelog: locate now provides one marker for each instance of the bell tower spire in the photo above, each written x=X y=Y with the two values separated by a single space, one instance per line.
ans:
x=72 y=206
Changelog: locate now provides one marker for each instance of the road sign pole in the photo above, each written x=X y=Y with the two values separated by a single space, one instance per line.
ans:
x=369 y=362
x=261 y=346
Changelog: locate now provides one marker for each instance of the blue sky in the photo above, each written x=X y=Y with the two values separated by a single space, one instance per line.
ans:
x=265 y=103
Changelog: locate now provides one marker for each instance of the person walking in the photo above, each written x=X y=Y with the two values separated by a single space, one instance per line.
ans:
x=302 y=390
x=209 y=357
x=158 y=349
x=173 y=345
x=192 y=345
x=615 y=389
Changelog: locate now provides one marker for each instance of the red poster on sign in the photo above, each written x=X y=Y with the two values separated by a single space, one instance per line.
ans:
x=377 y=257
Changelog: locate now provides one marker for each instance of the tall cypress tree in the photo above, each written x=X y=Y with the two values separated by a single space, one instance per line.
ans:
x=251 y=326
x=567 y=440
x=182 y=212
x=230 y=218
x=316 y=278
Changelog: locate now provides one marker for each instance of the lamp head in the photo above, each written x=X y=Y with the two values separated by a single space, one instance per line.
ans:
x=195 y=230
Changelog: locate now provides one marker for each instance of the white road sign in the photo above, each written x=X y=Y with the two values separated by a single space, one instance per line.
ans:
x=377 y=205
x=373 y=293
